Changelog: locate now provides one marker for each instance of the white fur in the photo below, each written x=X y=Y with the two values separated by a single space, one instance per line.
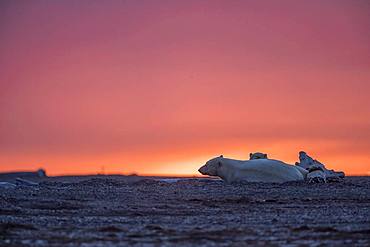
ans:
x=316 y=176
x=256 y=170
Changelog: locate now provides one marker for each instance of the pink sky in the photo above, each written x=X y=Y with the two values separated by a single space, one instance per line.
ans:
x=159 y=87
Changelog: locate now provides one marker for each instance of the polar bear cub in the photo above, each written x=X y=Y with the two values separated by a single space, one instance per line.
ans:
x=258 y=155
x=255 y=170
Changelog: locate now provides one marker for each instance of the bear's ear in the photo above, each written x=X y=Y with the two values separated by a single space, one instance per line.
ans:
x=250 y=155
x=221 y=156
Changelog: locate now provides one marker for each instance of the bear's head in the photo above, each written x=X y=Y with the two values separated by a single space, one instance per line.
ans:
x=211 y=167
x=258 y=155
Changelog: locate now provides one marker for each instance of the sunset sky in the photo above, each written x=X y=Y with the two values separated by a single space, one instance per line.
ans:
x=160 y=87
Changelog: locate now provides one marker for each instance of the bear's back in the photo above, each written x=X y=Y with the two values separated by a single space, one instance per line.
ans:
x=263 y=170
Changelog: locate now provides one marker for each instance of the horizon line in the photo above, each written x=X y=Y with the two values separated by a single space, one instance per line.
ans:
x=184 y=175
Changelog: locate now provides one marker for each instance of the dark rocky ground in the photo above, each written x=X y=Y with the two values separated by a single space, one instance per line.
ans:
x=121 y=211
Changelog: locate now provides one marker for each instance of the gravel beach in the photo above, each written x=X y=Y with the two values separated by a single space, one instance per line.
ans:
x=149 y=211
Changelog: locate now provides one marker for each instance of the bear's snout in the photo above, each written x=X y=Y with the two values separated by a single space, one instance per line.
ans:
x=202 y=170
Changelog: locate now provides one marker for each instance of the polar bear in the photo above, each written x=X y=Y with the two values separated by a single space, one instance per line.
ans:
x=316 y=176
x=256 y=170
x=258 y=155
x=317 y=170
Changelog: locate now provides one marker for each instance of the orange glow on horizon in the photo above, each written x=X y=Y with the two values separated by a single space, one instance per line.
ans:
x=174 y=162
